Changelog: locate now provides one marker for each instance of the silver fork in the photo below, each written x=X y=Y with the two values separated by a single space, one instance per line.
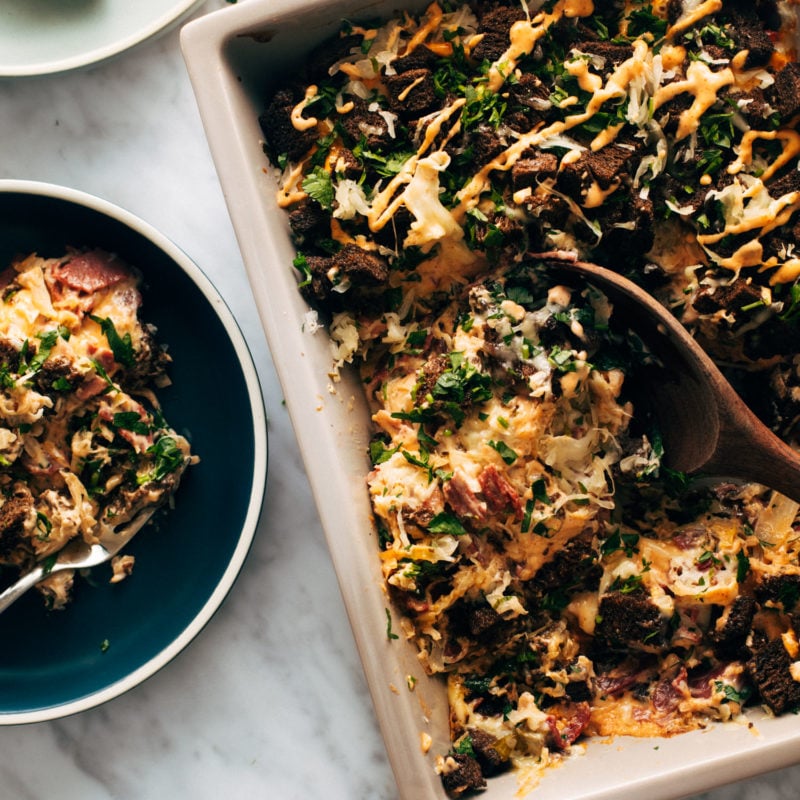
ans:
x=78 y=554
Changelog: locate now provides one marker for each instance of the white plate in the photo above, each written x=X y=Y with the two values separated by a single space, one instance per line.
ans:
x=40 y=37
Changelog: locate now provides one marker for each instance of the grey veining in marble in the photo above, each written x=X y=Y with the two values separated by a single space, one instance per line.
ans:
x=269 y=700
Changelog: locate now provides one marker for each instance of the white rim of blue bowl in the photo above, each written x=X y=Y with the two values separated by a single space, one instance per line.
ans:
x=250 y=524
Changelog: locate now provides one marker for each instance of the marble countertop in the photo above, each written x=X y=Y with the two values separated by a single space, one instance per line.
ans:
x=269 y=701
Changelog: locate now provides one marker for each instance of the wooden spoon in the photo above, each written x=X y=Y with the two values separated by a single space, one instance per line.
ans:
x=705 y=426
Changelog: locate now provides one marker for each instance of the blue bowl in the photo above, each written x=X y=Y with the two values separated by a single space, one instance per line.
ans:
x=112 y=637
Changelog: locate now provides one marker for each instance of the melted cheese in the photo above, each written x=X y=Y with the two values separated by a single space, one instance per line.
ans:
x=587 y=80
x=788 y=272
x=403 y=96
x=789 y=139
x=596 y=195
x=435 y=125
x=702 y=82
x=690 y=19
x=524 y=34
x=433 y=18
x=770 y=215
x=299 y=122
x=289 y=194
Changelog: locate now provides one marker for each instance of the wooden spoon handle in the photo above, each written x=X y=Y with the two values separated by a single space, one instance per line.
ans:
x=707 y=427
x=748 y=449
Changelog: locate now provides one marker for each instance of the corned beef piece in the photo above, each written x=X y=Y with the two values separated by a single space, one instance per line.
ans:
x=464 y=502
x=500 y=495
x=567 y=722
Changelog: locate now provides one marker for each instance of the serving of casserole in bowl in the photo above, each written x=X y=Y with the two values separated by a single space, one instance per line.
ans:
x=527 y=578
x=122 y=375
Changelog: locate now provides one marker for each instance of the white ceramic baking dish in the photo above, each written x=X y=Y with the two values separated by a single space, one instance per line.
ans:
x=234 y=57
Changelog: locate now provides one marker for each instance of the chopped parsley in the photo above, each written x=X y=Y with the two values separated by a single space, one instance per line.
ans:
x=506 y=453
x=379 y=452
x=619 y=541
x=167 y=458
x=43 y=526
x=131 y=421
x=742 y=566
x=562 y=360
x=733 y=695
x=7 y=380
x=643 y=21
x=47 y=341
x=446 y=523
x=390 y=634
x=319 y=186
x=121 y=346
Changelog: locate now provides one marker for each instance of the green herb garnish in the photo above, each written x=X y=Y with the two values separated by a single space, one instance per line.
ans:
x=121 y=346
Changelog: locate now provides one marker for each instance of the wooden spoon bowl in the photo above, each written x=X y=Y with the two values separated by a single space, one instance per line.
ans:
x=705 y=426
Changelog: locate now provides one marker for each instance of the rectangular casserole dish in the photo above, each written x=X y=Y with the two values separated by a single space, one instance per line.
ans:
x=234 y=57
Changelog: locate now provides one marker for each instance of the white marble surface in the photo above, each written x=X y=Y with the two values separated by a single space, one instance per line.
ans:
x=269 y=701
